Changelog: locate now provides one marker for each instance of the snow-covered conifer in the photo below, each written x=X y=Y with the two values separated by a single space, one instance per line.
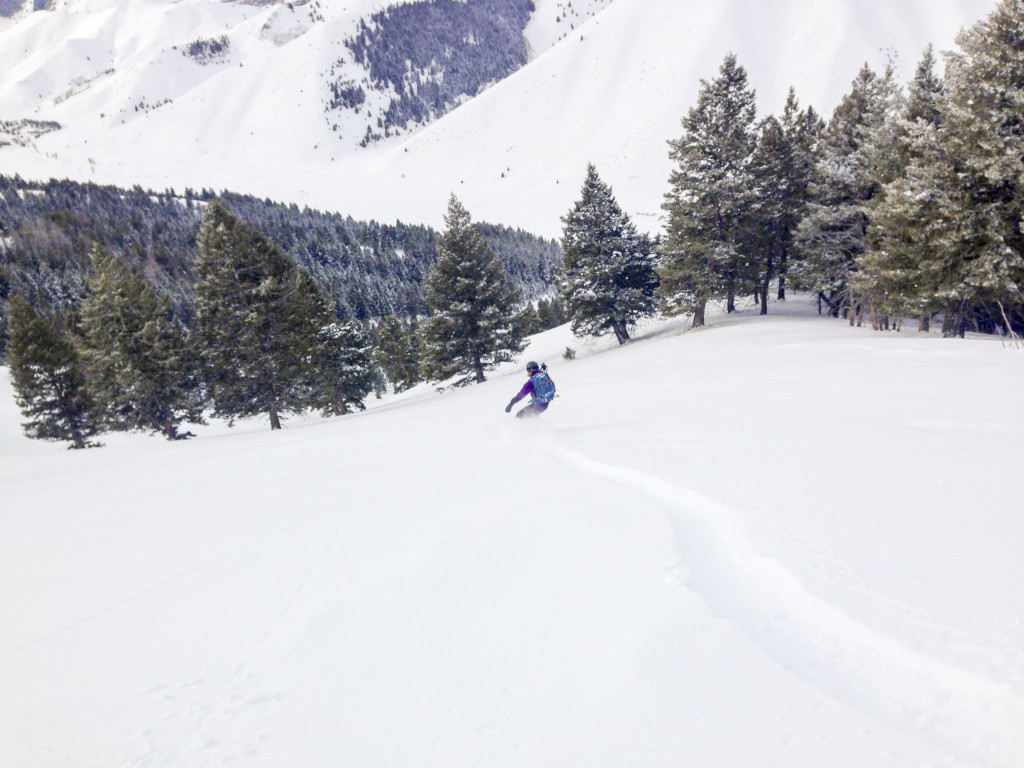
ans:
x=549 y=314
x=473 y=324
x=343 y=368
x=704 y=256
x=608 y=280
x=781 y=169
x=48 y=377
x=982 y=135
x=925 y=93
x=900 y=271
x=253 y=312
x=397 y=353
x=140 y=369
x=857 y=152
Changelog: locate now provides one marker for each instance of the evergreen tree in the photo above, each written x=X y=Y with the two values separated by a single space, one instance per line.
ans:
x=766 y=232
x=397 y=354
x=857 y=157
x=982 y=135
x=308 y=319
x=548 y=314
x=48 y=377
x=908 y=217
x=781 y=168
x=473 y=325
x=531 y=320
x=925 y=94
x=608 y=280
x=258 y=318
x=140 y=370
x=705 y=255
x=343 y=368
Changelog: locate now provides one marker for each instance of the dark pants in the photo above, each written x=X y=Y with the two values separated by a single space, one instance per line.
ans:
x=533 y=409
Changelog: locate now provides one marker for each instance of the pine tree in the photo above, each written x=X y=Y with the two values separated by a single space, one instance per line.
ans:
x=397 y=354
x=140 y=369
x=343 y=368
x=982 y=135
x=473 y=325
x=608 y=281
x=781 y=169
x=908 y=222
x=531 y=320
x=307 y=318
x=925 y=94
x=857 y=158
x=549 y=314
x=335 y=374
x=704 y=256
x=253 y=312
x=48 y=377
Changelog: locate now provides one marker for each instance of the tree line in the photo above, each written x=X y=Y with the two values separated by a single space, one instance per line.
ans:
x=432 y=54
x=263 y=339
x=907 y=203
x=369 y=270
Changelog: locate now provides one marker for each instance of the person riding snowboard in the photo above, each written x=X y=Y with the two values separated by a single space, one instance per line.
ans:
x=541 y=389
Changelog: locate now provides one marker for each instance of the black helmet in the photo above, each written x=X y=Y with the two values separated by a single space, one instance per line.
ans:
x=532 y=367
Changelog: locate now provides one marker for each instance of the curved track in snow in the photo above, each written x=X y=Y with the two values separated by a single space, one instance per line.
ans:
x=971 y=716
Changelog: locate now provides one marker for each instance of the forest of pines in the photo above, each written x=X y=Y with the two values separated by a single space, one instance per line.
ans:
x=156 y=337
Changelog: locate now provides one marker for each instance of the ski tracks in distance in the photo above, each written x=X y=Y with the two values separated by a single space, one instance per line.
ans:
x=973 y=717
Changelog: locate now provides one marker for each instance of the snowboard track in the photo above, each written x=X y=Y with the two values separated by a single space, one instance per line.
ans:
x=971 y=717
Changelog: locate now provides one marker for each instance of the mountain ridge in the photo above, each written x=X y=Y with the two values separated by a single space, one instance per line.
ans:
x=608 y=87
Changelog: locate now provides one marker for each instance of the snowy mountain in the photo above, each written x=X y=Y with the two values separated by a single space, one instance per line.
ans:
x=777 y=542
x=230 y=95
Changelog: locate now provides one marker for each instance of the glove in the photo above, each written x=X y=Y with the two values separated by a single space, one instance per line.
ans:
x=508 y=408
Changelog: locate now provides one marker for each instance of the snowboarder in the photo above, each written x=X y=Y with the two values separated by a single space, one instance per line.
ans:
x=541 y=389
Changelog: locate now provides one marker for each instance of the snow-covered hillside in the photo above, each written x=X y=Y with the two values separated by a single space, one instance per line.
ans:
x=776 y=541
x=133 y=110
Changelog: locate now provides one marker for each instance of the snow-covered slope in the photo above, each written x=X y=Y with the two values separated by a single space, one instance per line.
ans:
x=777 y=541
x=134 y=110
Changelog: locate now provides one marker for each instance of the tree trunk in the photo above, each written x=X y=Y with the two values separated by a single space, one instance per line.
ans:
x=275 y=419
x=925 y=323
x=621 y=334
x=766 y=284
x=955 y=324
x=479 y=368
x=730 y=301
x=782 y=288
x=698 y=314
x=170 y=431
